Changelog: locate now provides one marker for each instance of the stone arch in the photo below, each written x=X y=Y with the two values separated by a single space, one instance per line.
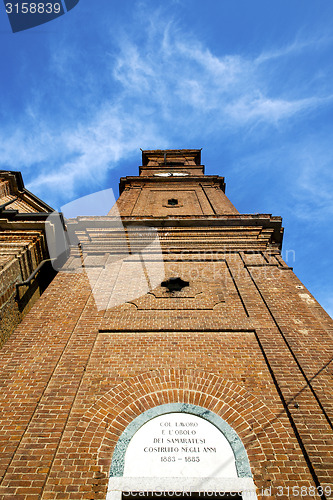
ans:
x=241 y=459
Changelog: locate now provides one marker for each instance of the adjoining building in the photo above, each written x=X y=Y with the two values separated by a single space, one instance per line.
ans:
x=172 y=353
x=23 y=251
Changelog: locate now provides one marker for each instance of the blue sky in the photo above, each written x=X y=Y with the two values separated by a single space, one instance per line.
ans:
x=250 y=82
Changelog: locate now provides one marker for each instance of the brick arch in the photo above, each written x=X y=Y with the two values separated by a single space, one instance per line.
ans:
x=105 y=421
x=89 y=441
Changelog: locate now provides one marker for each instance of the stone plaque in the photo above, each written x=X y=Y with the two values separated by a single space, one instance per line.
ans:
x=179 y=445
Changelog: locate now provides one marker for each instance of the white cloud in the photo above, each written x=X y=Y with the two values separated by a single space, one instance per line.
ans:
x=271 y=110
x=294 y=48
x=176 y=73
x=151 y=89
x=95 y=147
x=312 y=186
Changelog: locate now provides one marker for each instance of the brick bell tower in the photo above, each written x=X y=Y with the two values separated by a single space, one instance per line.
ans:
x=175 y=353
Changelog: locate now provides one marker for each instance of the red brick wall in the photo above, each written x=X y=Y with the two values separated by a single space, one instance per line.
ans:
x=245 y=340
x=21 y=252
x=69 y=391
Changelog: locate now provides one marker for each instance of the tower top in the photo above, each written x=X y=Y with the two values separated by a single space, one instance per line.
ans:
x=158 y=160
x=157 y=157
x=172 y=184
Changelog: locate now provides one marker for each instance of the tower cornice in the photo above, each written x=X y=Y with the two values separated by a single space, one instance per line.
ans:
x=140 y=181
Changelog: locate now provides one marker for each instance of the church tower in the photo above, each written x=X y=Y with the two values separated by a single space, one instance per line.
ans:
x=175 y=353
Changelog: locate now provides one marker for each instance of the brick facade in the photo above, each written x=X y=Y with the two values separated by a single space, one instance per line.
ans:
x=22 y=249
x=244 y=340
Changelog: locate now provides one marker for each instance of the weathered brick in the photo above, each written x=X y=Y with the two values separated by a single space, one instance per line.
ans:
x=245 y=340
